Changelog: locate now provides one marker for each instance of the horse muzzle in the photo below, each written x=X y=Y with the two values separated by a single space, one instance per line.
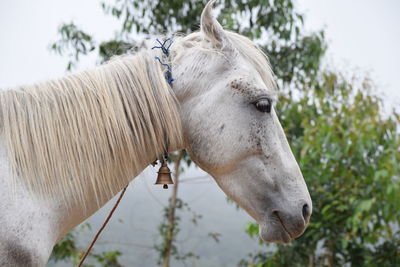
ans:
x=282 y=226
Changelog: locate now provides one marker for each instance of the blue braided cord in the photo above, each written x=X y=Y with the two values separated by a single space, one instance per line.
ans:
x=162 y=45
x=165 y=50
x=170 y=79
x=168 y=73
x=164 y=64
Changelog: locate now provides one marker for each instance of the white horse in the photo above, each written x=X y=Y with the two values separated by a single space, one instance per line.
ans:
x=70 y=145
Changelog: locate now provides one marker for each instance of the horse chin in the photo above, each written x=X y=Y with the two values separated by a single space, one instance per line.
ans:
x=274 y=233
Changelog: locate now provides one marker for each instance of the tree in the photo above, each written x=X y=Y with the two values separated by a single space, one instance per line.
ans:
x=169 y=226
x=275 y=25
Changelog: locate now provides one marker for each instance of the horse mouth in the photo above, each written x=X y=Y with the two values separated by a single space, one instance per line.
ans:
x=276 y=214
x=275 y=234
x=275 y=231
x=287 y=237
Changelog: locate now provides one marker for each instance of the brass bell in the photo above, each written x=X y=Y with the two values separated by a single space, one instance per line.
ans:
x=164 y=175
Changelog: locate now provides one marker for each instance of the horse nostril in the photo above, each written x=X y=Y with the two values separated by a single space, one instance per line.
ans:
x=306 y=212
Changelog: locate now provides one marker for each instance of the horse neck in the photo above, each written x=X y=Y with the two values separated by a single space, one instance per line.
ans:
x=93 y=132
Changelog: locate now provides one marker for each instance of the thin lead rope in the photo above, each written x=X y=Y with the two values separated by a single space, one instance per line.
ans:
x=165 y=49
x=102 y=227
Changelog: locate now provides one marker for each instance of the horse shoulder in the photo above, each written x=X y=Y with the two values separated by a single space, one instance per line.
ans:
x=26 y=237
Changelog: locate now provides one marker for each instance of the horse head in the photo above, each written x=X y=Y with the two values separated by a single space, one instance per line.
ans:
x=226 y=92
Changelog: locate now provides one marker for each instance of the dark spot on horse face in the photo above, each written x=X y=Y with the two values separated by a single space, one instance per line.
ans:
x=221 y=128
x=234 y=84
x=18 y=255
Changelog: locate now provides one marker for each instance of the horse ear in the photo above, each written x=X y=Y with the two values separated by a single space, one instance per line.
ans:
x=211 y=27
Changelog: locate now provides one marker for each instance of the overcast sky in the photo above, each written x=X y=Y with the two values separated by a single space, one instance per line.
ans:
x=363 y=35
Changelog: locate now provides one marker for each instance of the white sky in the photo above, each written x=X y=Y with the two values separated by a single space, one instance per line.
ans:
x=363 y=35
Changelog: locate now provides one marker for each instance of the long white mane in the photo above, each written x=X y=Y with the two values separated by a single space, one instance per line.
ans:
x=99 y=127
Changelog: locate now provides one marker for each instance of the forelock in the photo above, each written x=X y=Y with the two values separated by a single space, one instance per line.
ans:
x=251 y=52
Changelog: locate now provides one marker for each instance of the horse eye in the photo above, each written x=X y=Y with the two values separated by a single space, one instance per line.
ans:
x=263 y=105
